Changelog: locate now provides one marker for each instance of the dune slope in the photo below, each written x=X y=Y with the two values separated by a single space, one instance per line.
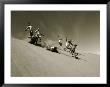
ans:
x=33 y=61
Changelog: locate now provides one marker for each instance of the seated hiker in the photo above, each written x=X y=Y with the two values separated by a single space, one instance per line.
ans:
x=54 y=49
x=29 y=28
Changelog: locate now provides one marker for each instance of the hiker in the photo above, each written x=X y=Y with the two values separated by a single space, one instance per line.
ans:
x=54 y=49
x=37 y=32
x=38 y=35
x=73 y=50
x=29 y=28
x=68 y=44
x=59 y=41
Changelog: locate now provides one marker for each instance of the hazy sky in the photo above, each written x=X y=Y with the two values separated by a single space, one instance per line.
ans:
x=83 y=27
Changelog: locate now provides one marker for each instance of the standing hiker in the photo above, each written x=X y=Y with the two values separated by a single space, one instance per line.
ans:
x=60 y=42
x=73 y=50
x=38 y=34
x=29 y=28
x=68 y=44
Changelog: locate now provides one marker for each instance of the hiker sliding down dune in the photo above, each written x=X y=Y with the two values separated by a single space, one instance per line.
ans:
x=71 y=47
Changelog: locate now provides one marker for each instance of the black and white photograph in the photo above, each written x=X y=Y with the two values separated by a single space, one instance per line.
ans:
x=62 y=43
x=55 y=43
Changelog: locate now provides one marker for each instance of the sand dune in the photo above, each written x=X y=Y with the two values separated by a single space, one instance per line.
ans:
x=30 y=60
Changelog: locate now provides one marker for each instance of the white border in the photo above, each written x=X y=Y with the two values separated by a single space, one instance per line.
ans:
x=56 y=80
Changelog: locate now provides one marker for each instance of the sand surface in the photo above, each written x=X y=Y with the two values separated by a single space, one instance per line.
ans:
x=28 y=60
